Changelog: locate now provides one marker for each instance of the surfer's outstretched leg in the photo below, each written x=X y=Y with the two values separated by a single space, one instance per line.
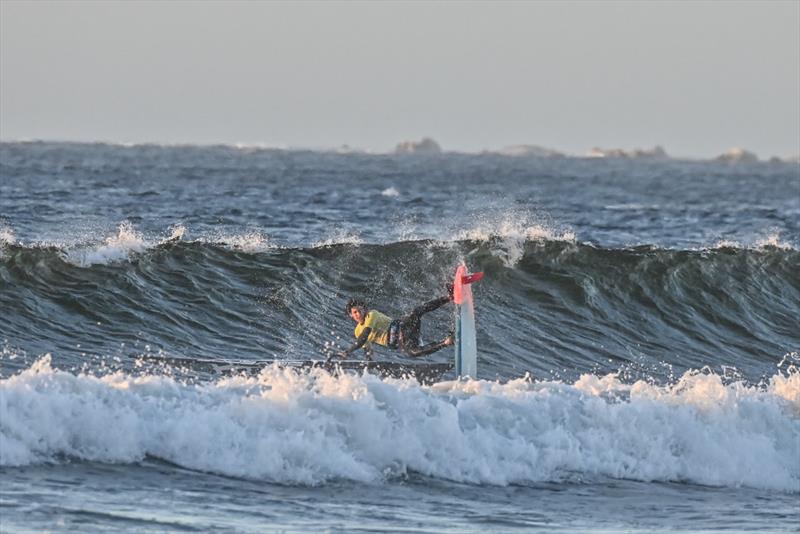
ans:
x=410 y=326
x=430 y=347
x=434 y=304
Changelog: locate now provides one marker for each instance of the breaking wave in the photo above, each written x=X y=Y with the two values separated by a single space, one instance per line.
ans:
x=311 y=428
x=544 y=305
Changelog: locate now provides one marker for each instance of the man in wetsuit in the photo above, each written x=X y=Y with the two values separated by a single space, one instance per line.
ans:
x=374 y=327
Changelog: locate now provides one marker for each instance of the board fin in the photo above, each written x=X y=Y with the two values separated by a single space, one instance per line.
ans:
x=463 y=278
x=470 y=278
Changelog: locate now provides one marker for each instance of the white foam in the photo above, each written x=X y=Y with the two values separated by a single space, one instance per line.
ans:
x=773 y=240
x=176 y=233
x=514 y=226
x=127 y=240
x=725 y=243
x=390 y=192
x=339 y=237
x=510 y=231
x=114 y=248
x=7 y=236
x=250 y=242
x=311 y=428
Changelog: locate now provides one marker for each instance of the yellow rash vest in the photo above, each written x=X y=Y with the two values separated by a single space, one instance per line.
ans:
x=379 y=323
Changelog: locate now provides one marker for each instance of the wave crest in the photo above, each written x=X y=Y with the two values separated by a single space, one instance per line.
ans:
x=114 y=248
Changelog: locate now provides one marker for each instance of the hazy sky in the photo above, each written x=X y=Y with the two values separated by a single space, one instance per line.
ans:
x=695 y=77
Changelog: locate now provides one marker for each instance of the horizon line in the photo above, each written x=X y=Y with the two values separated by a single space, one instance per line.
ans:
x=596 y=152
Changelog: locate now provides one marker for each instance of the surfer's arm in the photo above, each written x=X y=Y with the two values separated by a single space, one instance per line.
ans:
x=362 y=339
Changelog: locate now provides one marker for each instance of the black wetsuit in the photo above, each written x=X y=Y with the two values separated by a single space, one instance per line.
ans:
x=409 y=327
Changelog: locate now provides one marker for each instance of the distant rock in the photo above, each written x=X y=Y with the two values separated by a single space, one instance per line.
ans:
x=347 y=149
x=597 y=152
x=793 y=160
x=737 y=155
x=656 y=152
x=426 y=146
x=532 y=151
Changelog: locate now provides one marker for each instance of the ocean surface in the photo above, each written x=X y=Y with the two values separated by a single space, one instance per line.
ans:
x=638 y=338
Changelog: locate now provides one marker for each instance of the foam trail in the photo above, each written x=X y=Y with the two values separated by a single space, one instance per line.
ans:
x=311 y=428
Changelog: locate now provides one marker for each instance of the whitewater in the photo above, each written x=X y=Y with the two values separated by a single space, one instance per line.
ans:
x=637 y=334
x=309 y=428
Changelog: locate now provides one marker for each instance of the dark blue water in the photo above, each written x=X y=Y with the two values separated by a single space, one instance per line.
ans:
x=637 y=333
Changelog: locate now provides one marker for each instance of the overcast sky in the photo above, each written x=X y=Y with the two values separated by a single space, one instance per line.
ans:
x=695 y=77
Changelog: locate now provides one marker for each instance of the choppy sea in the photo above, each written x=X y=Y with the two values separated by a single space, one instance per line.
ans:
x=638 y=340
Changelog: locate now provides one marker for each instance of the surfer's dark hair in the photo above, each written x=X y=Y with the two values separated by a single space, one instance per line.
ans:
x=354 y=303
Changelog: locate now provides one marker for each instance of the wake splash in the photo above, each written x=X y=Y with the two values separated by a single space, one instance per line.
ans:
x=311 y=428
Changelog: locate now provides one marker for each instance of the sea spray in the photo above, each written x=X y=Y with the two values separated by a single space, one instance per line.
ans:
x=117 y=247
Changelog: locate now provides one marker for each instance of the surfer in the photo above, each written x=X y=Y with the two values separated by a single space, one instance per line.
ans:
x=374 y=327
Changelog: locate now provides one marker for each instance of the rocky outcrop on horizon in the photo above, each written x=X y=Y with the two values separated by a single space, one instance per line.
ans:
x=533 y=151
x=656 y=152
x=425 y=146
x=737 y=155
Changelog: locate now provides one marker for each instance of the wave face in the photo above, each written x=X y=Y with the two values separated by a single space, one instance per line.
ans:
x=544 y=306
x=638 y=319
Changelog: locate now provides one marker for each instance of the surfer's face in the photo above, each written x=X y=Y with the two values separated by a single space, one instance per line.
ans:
x=355 y=313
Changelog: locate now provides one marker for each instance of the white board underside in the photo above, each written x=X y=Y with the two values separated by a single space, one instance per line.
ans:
x=466 y=342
